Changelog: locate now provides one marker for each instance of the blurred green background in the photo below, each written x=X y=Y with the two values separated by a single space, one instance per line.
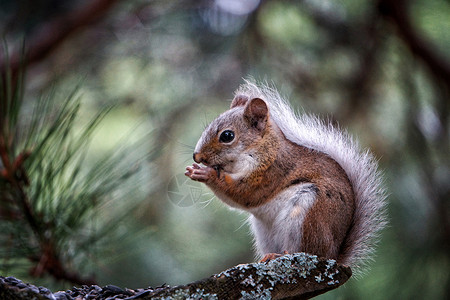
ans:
x=379 y=68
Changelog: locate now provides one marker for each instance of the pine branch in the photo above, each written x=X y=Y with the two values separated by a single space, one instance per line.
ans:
x=16 y=179
x=49 y=199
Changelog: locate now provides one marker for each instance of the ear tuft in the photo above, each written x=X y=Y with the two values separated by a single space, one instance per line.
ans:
x=239 y=100
x=257 y=113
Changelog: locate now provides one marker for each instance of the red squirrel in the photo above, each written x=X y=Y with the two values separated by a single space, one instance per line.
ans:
x=307 y=185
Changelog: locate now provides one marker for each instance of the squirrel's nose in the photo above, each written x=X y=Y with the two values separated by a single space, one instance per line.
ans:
x=197 y=157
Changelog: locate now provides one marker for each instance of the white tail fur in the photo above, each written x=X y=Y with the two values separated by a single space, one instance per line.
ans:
x=360 y=166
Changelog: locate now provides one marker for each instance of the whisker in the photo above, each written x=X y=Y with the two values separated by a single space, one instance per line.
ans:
x=207 y=202
x=244 y=223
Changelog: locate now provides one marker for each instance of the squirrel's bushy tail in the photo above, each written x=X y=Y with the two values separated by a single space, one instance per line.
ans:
x=361 y=168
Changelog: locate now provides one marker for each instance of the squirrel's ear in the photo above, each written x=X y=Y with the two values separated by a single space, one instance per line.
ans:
x=239 y=100
x=257 y=113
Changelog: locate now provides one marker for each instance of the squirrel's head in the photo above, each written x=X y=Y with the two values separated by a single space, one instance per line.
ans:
x=233 y=141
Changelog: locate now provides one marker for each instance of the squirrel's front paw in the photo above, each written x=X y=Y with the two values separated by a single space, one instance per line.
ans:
x=202 y=174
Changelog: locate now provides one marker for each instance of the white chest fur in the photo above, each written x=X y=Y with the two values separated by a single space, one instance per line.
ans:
x=277 y=225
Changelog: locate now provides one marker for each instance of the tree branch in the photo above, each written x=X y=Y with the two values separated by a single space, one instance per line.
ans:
x=299 y=276
x=52 y=34
x=397 y=12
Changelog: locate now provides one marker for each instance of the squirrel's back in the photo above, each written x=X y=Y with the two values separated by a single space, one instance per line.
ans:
x=360 y=167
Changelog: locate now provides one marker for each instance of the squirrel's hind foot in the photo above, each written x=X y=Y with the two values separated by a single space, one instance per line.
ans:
x=270 y=256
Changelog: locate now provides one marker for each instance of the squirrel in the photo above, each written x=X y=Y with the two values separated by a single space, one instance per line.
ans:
x=307 y=184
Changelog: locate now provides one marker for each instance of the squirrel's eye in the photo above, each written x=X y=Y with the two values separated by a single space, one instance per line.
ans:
x=226 y=136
